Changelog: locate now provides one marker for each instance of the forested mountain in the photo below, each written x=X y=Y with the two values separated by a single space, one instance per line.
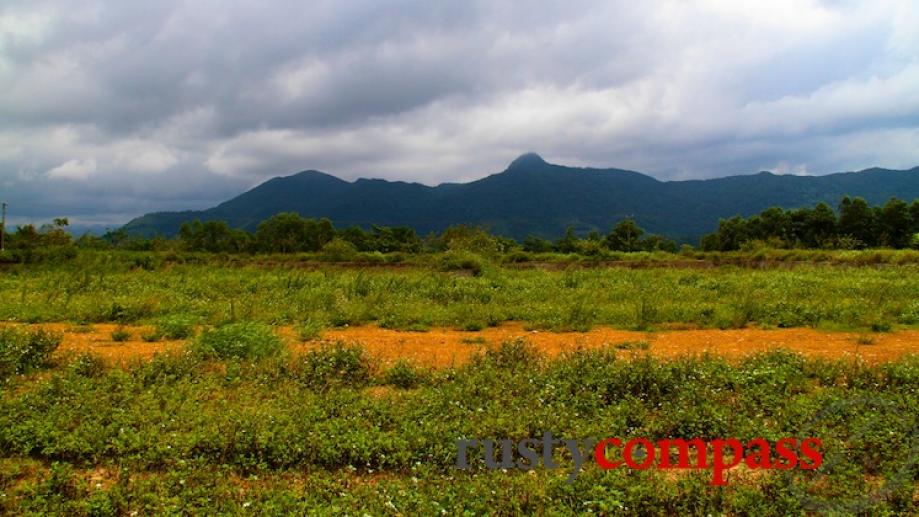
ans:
x=533 y=197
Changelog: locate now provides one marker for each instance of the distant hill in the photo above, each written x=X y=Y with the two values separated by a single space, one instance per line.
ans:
x=532 y=197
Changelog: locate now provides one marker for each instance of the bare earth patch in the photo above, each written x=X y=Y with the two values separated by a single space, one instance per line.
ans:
x=441 y=348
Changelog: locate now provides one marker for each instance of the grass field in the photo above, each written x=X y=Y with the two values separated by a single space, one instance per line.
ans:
x=327 y=390
x=102 y=288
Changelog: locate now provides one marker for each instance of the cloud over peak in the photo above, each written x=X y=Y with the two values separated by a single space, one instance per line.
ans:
x=120 y=107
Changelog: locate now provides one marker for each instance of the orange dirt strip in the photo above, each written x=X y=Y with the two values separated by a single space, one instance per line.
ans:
x=445 y=347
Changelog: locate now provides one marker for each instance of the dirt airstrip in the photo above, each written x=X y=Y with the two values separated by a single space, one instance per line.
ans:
x=446 y=347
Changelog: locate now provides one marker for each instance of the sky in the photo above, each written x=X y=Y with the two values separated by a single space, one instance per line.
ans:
x=111 y=109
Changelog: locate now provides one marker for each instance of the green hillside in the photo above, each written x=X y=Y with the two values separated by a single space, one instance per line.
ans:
x=533 y=197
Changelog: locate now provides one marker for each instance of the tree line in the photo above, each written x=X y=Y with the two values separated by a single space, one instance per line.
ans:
x=290 y=233
x=857 y=225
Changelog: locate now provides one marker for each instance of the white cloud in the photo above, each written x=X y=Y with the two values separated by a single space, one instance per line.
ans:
x=77 y=169
x=139 y=101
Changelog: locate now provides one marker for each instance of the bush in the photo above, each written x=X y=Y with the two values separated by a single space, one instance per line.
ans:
x=338 y=250
x=309 y=330
x=245 y=340
x=87 y=365
x=120 y=335
x=175 y=327
x=513 y=355
x=22 y=351
x=403 y=375
x=455 y=260
x=335 y=365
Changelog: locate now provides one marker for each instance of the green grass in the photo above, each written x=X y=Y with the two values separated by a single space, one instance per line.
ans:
x=187 y=435
x=242 y=340
x=100 y=288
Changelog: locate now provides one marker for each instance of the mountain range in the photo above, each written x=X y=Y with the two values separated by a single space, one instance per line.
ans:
x=533 y=197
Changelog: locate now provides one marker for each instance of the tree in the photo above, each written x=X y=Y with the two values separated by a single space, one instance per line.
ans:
x=388 y=239
x=856 y=219
x=914 y=215
x=56 y=234
x=731 y=234
x=772 y=222
x=625 y=236
x=535 y=244
x=284 y=233
x=568 y=243
x=820 y=226
x=894 y=224
x=658 y=243
x=357 y=237
x=212 y=236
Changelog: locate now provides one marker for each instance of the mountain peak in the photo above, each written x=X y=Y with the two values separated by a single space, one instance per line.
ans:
x=527 y=160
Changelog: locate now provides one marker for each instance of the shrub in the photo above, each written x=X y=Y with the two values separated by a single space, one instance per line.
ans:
x=175 y=327
x=244 y=340
x=457 y=260
x=309 y=330
x=403 y=375
x=511 y=355
x=880 y=326
x=120 y=334
x=151 y=336
x=87 y=365
x=338 y=250
x=22 y=351
x=335 y=365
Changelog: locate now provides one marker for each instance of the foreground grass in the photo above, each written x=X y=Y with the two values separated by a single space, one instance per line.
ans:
x=112 y=288
x=330 y=433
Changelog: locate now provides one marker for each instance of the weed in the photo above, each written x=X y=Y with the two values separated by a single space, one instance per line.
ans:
x=461 y=260
x=175 y=327
x=22 y=351
x=244 y=340
x=310 y=330
x=880 y=326
x=404 y=375
x=87 y=365
x=337 y=364
x=864 y=339
x=120 y=334
x=632 y=345
x=150 y=336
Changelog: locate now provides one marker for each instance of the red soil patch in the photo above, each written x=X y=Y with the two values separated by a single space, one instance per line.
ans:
x=446 y=347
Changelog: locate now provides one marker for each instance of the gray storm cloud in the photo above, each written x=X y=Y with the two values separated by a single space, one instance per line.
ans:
x=112 y=109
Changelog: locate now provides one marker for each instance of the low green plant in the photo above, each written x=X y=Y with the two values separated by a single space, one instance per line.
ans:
x=87 y=365
x=632 y=345
x=404 y=375
x=120 y=334
x=880 y=326
x=81 y=329
x=461 y=260
x=338 y=250
x=22 y=351
x=175 y=327
x=242 y=340
x=150 y=336
x=310 y=330
x=864 y=339
x=336 y=364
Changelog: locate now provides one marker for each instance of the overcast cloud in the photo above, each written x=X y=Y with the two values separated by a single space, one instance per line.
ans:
x=110 y=109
